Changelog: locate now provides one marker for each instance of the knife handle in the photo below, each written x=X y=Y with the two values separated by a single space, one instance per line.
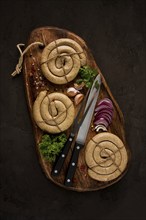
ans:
x=59 y=163
x=72 y=165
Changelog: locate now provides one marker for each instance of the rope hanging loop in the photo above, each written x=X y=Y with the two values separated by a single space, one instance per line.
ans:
x=18 y=67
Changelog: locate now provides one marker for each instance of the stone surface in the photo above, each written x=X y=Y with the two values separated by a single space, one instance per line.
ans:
x=115 y=32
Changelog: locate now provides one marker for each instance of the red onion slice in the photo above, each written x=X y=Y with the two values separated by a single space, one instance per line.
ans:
x=101 y=121
x=106 y=118
x=98 y=108
x=108 y=101
x=101 y=114
x=106 y=111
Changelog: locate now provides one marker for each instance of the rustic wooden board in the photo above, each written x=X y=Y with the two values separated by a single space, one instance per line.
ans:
x=35 y=82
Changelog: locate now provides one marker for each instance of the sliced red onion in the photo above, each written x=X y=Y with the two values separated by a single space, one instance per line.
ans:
x=103 y=113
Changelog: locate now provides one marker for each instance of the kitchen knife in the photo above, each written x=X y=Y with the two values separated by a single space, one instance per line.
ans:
x=75 y=127
x=82 y=133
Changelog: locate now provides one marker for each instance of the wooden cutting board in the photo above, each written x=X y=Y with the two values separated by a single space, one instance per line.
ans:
x=35 y=82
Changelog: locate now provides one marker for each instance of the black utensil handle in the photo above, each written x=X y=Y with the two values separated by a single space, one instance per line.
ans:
x=59 y=163
x=73 y=165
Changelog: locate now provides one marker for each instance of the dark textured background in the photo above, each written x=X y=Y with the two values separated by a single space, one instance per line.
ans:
x=116 y=34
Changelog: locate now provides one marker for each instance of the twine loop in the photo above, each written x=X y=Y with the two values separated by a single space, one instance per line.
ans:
x=18 y=67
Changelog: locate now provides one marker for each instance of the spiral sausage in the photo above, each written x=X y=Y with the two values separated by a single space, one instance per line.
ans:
x=53 y=112
x=106 y=157
x=61 y=60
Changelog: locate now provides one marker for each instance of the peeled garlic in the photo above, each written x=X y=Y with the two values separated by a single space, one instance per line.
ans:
x=79 y=86
x=71 y=92
x=78 y=98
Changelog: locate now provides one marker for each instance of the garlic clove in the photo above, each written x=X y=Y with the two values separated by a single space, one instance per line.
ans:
x=78 y=98
x=71 y=92
x=79 y=86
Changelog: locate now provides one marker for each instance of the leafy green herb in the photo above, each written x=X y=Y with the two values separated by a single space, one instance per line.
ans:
x=87 y=76
x=51 y=145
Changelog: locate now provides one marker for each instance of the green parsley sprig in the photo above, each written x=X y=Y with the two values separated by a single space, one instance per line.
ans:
x=87 y=75
x=51 y=145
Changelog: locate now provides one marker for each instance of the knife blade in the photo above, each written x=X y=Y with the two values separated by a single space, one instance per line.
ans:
x=82 y=133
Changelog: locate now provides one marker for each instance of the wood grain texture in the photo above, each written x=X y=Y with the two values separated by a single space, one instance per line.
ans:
x=35 y=82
